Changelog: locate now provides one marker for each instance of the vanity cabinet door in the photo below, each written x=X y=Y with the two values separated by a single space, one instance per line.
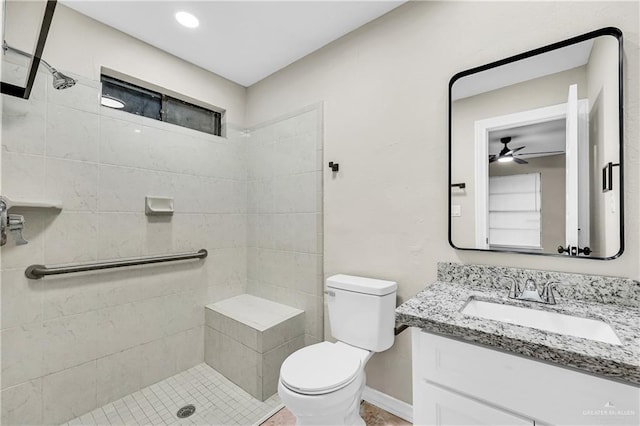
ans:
x=438 y=406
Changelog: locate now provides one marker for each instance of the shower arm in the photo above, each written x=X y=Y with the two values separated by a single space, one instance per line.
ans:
x=6 y=47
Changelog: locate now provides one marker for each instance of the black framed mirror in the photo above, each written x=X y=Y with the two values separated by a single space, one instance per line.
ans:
x=535 y=151
x=18 y=16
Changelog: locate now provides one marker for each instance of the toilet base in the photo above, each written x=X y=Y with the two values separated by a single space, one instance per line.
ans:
x=349 y=418
x=339 y=408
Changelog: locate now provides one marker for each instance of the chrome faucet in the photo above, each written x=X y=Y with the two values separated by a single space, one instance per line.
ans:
x=530 y=291
x=548 y=294
x=14 y=223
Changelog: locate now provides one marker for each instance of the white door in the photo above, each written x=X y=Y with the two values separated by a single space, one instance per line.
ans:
x=571 y=154
x=515 y=211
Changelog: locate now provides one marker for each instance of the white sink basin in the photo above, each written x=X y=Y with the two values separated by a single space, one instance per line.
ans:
x=550 y=321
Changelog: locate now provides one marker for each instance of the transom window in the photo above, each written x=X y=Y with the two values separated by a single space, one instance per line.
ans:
x=134 y=99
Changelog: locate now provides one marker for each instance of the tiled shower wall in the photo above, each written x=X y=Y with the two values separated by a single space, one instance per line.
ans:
x=75 y=342
x=284 y=232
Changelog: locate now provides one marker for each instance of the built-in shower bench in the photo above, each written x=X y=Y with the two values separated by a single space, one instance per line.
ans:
x=247 y=338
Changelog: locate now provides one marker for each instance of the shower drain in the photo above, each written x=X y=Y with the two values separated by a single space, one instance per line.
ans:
x=186 y=411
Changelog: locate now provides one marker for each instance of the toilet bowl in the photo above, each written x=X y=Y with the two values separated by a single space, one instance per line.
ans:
x=322 y=384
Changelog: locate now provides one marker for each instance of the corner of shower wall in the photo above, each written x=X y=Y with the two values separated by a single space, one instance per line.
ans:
x=284 y=214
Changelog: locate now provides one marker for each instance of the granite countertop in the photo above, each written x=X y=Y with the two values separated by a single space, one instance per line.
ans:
x=437 y=309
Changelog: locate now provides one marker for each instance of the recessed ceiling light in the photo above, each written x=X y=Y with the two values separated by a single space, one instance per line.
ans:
x=111 y=102
x=187 y=19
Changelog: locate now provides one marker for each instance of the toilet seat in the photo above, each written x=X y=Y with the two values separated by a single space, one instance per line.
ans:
x=320 y=369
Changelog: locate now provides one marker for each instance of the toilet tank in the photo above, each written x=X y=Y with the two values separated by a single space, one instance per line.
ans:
x=362 y=311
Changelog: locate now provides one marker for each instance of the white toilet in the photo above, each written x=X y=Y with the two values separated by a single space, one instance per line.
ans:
x=322 y=384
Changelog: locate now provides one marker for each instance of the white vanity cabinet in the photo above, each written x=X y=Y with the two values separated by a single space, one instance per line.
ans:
x=458 y=383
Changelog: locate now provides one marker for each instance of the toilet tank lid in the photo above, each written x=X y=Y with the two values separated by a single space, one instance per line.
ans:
x=361 y=284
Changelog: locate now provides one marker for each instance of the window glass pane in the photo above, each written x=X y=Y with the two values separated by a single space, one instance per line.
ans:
x=192 y=116
x=136 y=100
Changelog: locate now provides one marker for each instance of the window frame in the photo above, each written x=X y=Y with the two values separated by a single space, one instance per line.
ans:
x=134 y=84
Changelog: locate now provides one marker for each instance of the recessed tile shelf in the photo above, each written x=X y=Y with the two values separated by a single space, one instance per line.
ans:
x=158 y=206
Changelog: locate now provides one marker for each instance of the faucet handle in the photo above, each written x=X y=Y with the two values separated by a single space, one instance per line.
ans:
x=548 y=295
x=514 y=290
x=15 y=224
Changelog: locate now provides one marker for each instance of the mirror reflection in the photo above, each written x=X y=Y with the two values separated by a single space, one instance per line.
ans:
x=535 y=151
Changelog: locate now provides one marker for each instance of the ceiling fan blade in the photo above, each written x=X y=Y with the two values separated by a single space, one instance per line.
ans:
x=517 y=149
x=543 y=152
x=520 y=161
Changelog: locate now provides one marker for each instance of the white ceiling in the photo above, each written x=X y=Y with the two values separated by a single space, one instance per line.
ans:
x=244 y=41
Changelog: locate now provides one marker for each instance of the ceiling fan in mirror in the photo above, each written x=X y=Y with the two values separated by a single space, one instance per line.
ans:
x=506 y=154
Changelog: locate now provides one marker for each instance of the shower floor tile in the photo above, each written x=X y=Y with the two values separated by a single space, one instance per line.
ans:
x=218 y=401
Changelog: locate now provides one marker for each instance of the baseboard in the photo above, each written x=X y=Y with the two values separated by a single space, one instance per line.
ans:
x=388 y=403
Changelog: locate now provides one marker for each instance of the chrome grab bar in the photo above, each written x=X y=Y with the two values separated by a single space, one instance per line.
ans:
x=36 y=272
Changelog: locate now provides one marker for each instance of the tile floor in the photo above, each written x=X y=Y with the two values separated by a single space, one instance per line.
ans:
x=218 y=402
x=372 y=416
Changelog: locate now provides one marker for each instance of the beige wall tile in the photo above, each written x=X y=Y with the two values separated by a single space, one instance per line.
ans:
x=69 y=341
x=72 y=133
x=189 y=346
x=159 y=361
x=22 y=175
x=282 y=332
x=21 y=353
x=235 y=361
x=21 y=299
x=121 y=142
x=238 y=331
x=85 y=96
x=71 y=237
x=118 y=375
x=69 y=393
x=120 y=235
x=23 y=126
x=71 y=294
x=72 y=182
x=120 y=328
x=22 y=404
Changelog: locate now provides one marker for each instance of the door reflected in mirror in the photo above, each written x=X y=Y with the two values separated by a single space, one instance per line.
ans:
x=536 y=141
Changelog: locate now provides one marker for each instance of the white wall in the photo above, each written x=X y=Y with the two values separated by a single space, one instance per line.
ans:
x=385 y=93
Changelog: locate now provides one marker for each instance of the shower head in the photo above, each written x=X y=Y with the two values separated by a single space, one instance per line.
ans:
x=60 y=81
